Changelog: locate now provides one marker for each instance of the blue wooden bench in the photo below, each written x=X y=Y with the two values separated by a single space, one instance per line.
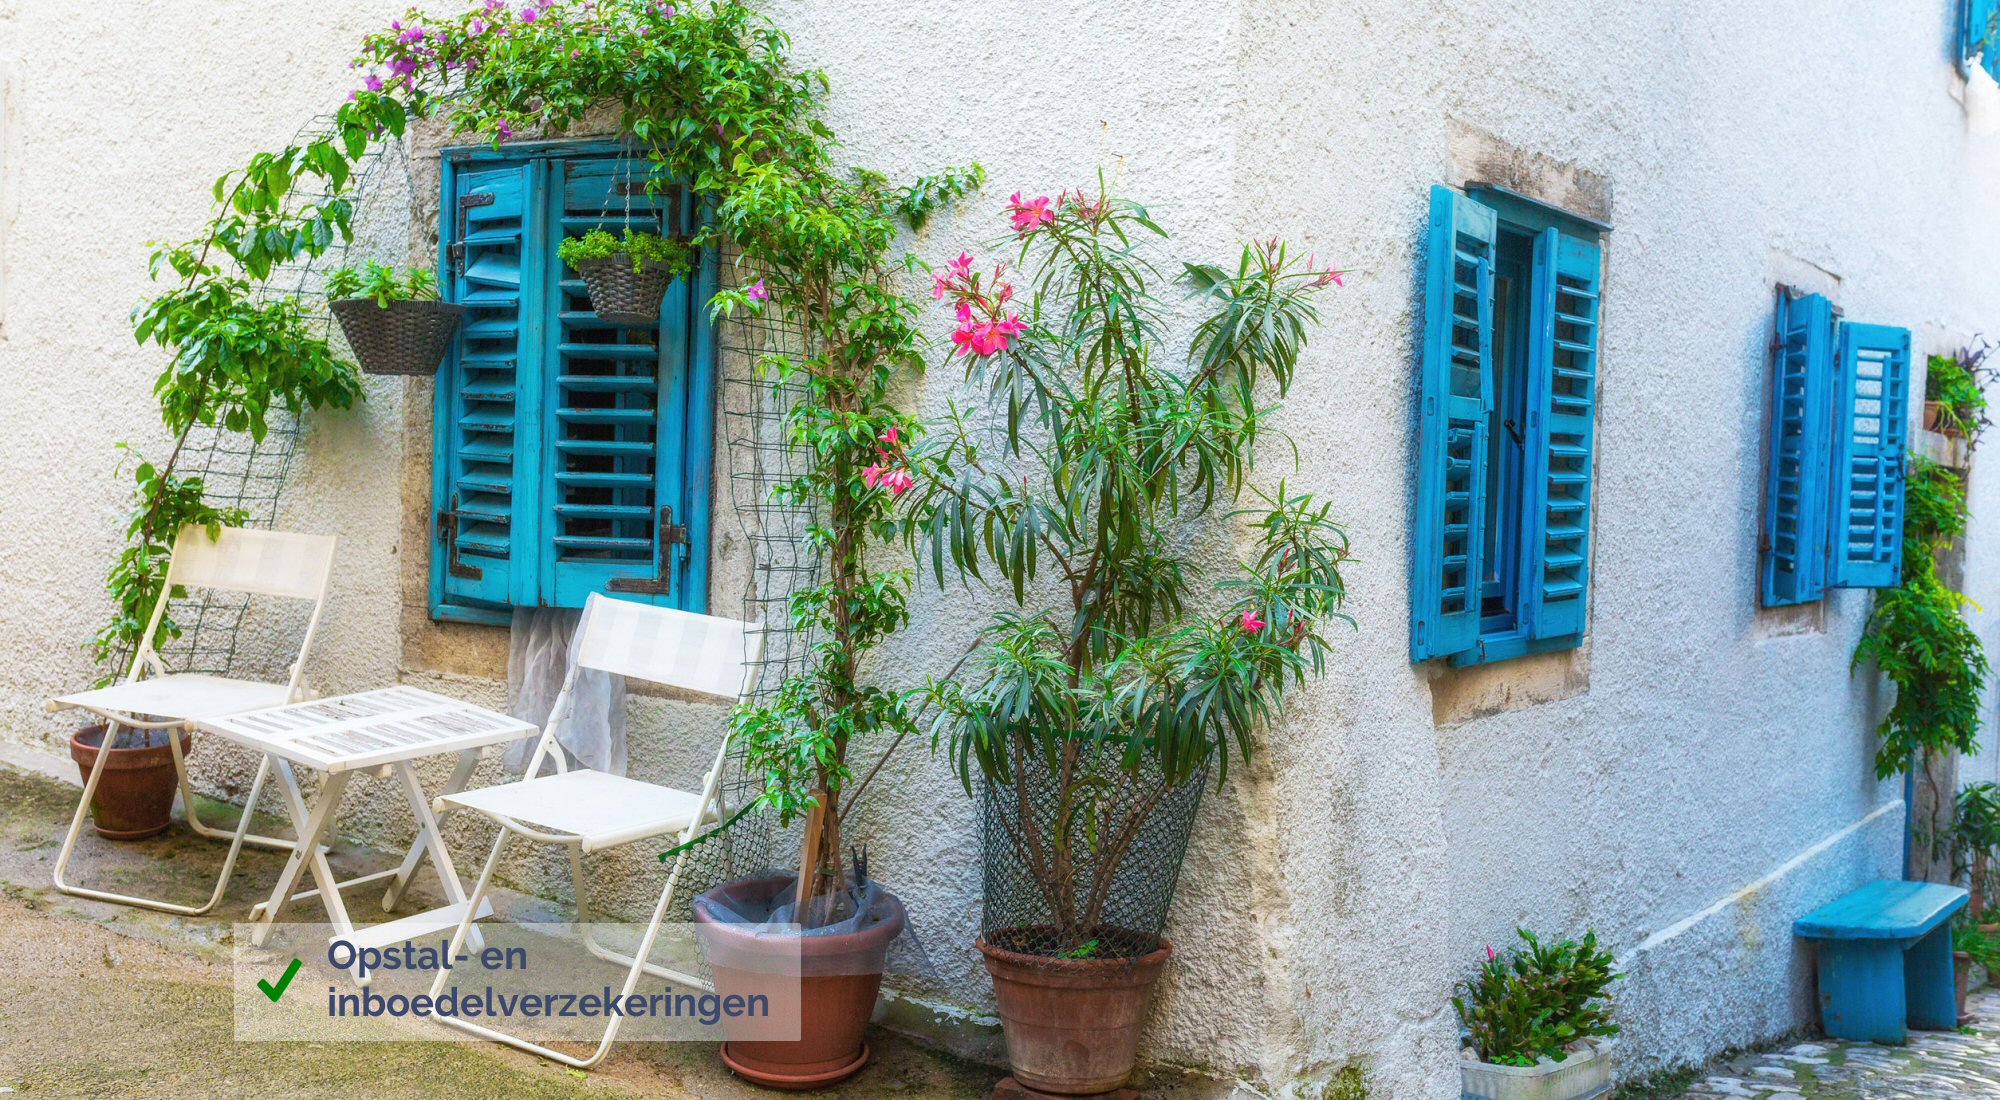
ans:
x=1885 y=960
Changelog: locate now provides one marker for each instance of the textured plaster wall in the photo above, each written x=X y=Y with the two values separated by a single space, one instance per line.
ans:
x=1700 y=779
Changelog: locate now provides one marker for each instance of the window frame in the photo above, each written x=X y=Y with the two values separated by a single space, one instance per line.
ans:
x=697 y=448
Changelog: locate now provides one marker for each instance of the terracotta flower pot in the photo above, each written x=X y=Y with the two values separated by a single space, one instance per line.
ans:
x=1072 y=1025
x=135 y=795
x=839 y=976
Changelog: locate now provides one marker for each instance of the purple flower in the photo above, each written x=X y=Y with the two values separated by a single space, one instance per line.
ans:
x=374 y=83
x=757 y=293
x=506 y=131
x=479 y=26
x=528 y=15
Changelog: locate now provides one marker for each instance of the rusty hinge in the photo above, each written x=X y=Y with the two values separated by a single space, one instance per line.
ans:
x=447 y=533
x=454 y=252
x=670 y=535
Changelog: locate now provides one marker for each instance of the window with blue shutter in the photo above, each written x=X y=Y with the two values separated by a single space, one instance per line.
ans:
x=572 y=456
x=1979 y=34
x=1507 y=428
x=1839 y=438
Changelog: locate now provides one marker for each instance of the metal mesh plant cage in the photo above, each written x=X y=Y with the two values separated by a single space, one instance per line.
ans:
x=1080 y=857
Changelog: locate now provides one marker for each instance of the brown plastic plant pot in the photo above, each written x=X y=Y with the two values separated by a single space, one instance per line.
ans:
x=135 y=795
x=408 y=337
x=622 y=296
x=1072 y=1025
x=839 y=976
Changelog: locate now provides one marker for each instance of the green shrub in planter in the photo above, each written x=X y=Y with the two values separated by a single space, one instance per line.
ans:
x=626 y=276
x=1533 y=1002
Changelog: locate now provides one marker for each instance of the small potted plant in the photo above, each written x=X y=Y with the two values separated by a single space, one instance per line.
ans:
x=394 y=323
x=135 y=796
x=1955 y=393
x=1976 y=836
x=626 y=276
x=1537 y=1022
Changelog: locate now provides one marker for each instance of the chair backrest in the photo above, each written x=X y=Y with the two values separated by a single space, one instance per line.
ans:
x=704 y=653
x=264 y=563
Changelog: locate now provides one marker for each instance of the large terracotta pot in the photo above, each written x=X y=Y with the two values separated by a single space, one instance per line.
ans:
x=135 y=795
x=1961 y=973
x=839 y=976
x=1072 y=1025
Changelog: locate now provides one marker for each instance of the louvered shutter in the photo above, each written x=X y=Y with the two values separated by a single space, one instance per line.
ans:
x=1979 y=32
x=485 y=460
x=1457 y=395
x=616 y=492
x=1871 y=428
x=1563 y=322
x=1795 y=492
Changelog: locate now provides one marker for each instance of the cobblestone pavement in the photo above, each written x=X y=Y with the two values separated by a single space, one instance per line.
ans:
x=1934 y=1064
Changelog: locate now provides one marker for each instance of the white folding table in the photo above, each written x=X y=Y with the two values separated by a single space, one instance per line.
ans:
x=384 y=731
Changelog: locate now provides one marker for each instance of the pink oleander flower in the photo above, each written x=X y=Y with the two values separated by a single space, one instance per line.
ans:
x=961 y=268
x=892 y=435
x=898 y=481
x=1251 y=623
x=940 y=285
x=1030 y=214
x=872 y=476
x=1491 y=954
x=757 y=293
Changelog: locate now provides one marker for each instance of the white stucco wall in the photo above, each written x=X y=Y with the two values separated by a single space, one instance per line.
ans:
x=1710 y=783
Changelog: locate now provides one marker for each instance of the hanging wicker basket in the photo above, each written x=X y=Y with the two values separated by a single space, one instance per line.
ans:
x=409 y=338
x=622 y=296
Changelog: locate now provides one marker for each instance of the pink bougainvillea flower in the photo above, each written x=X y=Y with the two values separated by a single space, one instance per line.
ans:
x=374 y=83
x=898 y=481
x=1030 y=214
x=1251 y=623
x=505 y=130
x=757 y=293
x=529 y=15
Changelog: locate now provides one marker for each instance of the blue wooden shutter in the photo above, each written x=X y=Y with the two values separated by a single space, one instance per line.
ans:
x=1795 y=492
x=1979 y=32
x=1871 y=429
x=1563 y=322
x=485 y=459
x=619 y=432
x=1456 y=398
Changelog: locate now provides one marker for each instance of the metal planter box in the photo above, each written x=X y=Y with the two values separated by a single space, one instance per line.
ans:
x=1581 y=1076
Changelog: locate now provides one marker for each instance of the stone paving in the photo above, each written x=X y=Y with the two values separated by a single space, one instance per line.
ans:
x=1934 y=1064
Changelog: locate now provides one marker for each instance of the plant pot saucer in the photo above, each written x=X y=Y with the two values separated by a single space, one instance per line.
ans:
x=1010 y=1089
x=796 y=1083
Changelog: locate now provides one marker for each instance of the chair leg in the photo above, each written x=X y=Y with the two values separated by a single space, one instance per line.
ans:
x=202 y=828
x=637 y=966
x=236 y=838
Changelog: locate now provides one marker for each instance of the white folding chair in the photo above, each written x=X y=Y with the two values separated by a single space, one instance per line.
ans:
x=588 y=811
x=255 y=563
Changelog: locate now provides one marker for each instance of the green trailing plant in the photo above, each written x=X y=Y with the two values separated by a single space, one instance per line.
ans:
x=235 y=351
x=1982 y=946
x=381 y=282
x=1918 y=635
x=1957 y=384
x=1537 y=999
x=1107 y=447
x=637 y=246
x=705 y=92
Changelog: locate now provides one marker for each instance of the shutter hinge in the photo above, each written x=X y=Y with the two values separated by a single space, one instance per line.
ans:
x=447 y=533
x=669 y=534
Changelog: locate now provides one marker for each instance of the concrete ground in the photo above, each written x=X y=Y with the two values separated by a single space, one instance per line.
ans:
x=100 y=1000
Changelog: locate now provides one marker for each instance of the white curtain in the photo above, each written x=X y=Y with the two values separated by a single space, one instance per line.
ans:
x=538 y=654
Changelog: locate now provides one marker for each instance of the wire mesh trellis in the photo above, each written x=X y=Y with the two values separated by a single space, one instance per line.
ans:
x=1079 y=857
x=780 y=560
x=247 y=476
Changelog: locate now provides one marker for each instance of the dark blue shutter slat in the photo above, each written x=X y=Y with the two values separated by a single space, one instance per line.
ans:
x=484 y=480
x=1795 y=491
x=1871 y=418
x=1454 y=400
x=1563 y=325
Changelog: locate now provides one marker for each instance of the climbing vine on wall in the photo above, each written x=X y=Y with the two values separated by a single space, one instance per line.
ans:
x=706 y=92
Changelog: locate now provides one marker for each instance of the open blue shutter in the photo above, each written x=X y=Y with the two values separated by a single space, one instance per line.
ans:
x=1563 y=322
x=1457 y=395
x=620 y=398
x=484 y=479
x=1795 y=493
x=1871 y=429
x=1979 y=32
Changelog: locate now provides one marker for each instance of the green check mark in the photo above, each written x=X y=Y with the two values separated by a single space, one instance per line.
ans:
x=276 y=991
